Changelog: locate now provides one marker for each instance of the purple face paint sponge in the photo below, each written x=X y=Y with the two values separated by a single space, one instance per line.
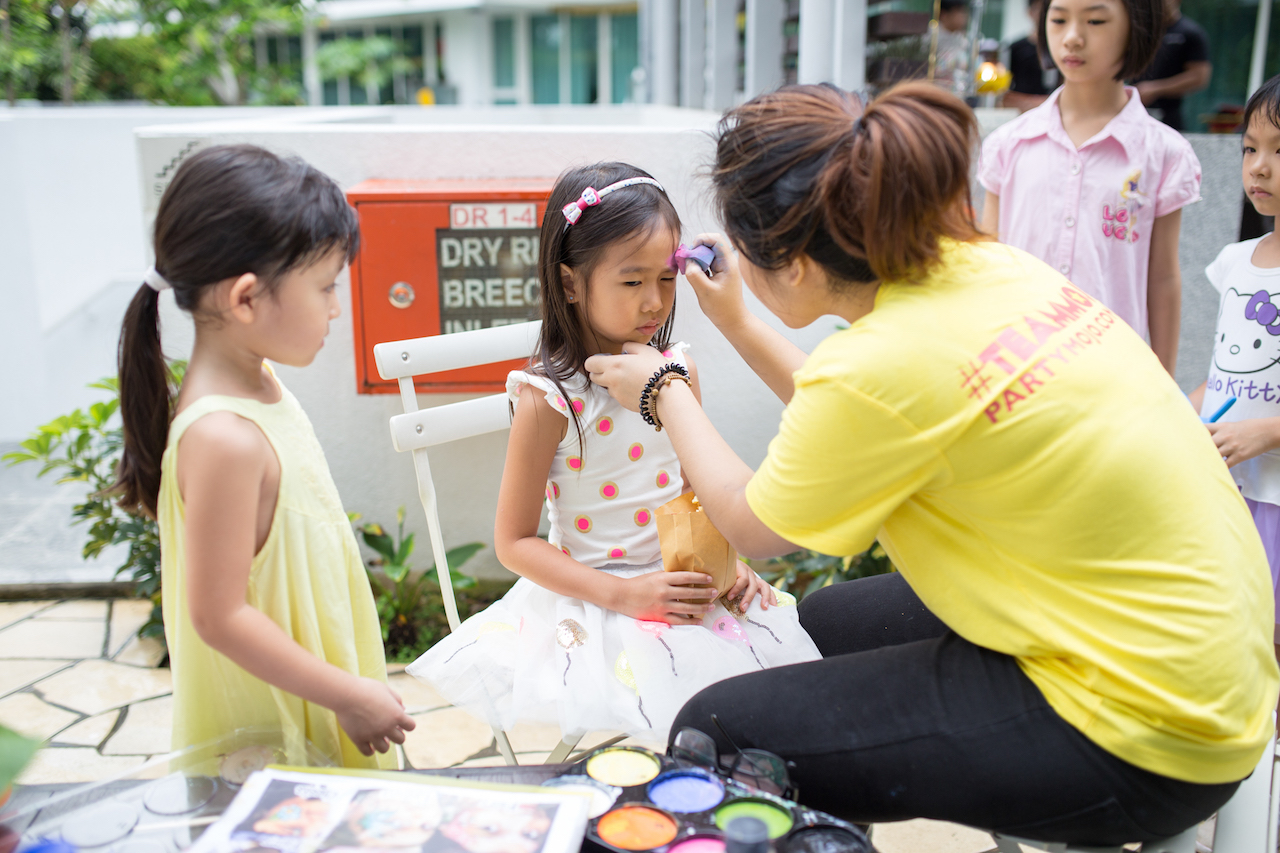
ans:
x=701 y=255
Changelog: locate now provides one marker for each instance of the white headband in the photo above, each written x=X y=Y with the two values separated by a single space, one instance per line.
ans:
x=591 y=197
x=155 y=281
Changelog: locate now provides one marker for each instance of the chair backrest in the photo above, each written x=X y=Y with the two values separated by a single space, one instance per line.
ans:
x=417 y=429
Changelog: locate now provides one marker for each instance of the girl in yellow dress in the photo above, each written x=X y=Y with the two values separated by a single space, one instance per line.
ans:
x=267 y=610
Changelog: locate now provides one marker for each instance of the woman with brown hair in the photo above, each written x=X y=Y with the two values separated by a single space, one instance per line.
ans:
x=1076 y=646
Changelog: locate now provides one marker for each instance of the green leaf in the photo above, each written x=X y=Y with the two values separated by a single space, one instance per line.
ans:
x=15 y=752
x=404 y=551
x=456 y=557
x=379 y=541
x=395 y=572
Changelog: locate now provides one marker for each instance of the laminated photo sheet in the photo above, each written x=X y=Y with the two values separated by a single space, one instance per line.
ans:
x=284 y=811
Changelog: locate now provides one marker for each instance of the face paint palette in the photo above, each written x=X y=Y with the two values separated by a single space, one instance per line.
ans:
x=667 y=808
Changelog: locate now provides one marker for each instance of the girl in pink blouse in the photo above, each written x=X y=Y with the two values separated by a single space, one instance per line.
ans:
x=1090 y=183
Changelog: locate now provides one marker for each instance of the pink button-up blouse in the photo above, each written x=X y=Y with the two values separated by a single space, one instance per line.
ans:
x=1089 y=212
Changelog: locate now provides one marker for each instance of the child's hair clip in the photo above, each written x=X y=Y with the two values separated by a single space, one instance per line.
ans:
x=701 y=255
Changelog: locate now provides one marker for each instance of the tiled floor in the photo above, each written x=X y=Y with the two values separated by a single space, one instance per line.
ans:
x=74 y=674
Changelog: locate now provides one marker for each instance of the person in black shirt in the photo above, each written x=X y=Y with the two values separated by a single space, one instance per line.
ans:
x=1031 y=82
x=1181 y=67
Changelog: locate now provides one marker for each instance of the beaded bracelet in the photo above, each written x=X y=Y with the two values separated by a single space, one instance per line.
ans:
x=668 y=373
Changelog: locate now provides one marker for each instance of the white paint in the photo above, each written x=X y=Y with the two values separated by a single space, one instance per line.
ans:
x=353 y=428
x=693 y=52
x=72 y=236
x=816 y=60
x=849 y=60
x=722 y=54
x=764 y=46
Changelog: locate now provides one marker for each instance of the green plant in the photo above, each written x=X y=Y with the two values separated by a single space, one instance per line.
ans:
x=403 y=599
x=85 y=446
x=15 y=752
x=368 y=61
x=805 y=571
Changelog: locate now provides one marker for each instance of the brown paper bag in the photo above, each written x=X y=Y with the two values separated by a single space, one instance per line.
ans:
x=691 y=543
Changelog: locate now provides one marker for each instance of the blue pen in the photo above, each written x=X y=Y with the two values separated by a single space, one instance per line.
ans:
x=1222 y=410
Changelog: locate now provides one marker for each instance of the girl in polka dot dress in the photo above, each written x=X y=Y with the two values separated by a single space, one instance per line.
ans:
x=594 y=635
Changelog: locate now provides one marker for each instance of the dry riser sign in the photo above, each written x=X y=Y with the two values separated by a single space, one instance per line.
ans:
x=440 y=257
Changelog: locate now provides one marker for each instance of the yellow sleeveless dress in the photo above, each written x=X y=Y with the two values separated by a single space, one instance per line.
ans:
x=309 y=578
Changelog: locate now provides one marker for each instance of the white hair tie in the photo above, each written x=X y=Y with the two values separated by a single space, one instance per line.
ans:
x=155 y=281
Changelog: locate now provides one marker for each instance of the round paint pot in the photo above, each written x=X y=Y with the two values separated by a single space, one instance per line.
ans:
x=776 y=819
x=686 y=791
x=602 y=796
x=623 y=766
x=636 y=827
x=698 y=844
x=826 y=839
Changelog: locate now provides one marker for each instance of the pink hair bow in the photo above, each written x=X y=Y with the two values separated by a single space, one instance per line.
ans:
x=573 y=210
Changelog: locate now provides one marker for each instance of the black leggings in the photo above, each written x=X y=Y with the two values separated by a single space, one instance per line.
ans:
x=903 y=718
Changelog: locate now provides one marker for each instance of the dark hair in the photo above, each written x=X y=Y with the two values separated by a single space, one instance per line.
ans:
x=230 y=210
x=1265 y=101
x=1146 y=32
x=635 y=211
x=952 y=5
x=867 y=194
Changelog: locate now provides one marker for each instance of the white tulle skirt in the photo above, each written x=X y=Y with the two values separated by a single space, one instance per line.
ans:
x=536 y=656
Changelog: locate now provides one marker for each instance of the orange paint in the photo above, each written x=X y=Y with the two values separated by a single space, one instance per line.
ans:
x=636 y=828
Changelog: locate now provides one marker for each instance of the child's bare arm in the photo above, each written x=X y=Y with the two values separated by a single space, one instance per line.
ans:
x=1240 y=441
x=223 y=460
x=991 y=214
x=536 y=430
x=1164 y=290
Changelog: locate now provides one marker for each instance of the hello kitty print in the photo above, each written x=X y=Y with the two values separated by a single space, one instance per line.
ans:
x=1246 y=357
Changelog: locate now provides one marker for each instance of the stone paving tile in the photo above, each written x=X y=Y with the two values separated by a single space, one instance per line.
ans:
x=51 y=638
x=75 y=610
x=417 y=697
x=12 y=611
x=445 y=737
x=127 y=616
x=533 y=737
x=26 y=714
x=147 y=729
x=146 y=652
x=16 y=674
x=75 y=764
x=93 y=686
x=88 y=732
x=929 y=836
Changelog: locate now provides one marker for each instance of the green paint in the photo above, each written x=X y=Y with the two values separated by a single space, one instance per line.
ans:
x=777 y=821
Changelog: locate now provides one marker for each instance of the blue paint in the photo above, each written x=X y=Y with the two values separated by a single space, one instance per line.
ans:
x=686 y=791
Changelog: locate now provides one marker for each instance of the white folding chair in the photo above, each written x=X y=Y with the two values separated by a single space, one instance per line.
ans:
x=417 y=429
x=1246 y=824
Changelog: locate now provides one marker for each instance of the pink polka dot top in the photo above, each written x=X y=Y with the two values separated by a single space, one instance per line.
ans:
x=601 y=496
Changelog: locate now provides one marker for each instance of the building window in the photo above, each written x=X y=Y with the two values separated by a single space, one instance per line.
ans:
x=583 y=59
x=544 y=32
x=504 y=53
x=624 y=56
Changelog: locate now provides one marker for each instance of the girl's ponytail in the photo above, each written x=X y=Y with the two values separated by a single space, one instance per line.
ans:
x=902 y=181
x=230 y=210
x=868 y=194
x=145 y=403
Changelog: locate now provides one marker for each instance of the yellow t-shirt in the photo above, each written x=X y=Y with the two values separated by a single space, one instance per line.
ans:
x=1048 y=492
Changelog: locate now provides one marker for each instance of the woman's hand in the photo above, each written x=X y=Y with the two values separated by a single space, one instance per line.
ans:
x=667 y=597
x=1240 y=441
x=719 y=295
x=624 y=376
x=748 y=585
x=371 y=715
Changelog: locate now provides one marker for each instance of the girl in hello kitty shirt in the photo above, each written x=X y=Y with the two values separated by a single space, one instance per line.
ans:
x=595 y=635
x=1246 y=348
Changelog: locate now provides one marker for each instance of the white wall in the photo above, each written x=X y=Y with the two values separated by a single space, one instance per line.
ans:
x=72 y=244
x=373 y=479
